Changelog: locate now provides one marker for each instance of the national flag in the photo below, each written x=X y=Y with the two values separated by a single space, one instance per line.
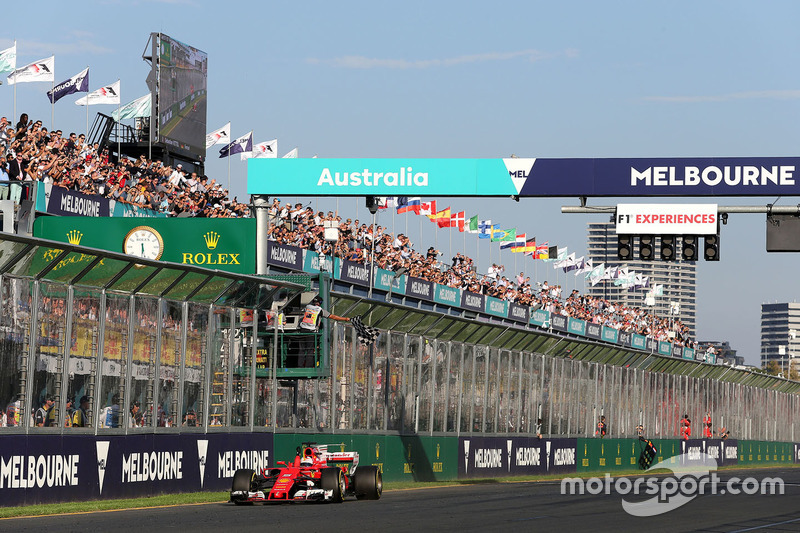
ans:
x=412 y=204
x=42 y=70
x=79 y=83
x=291 y=154
x=265 y=150
x=366 y=334
x=442 y=218
x=472 y=224
x=519 y=243
x=141 y=107
x=8 y=59
x=485 y=229
x=242 y=144
x=542 y=251
x=400 y=201
x=457 y=220
x=222 y=135
x=427 y=208
x=530 y=246
x=104 y=95
x=504 y=235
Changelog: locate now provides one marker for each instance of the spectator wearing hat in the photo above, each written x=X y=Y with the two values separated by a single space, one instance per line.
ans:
x=42 y=416
x=80 y=418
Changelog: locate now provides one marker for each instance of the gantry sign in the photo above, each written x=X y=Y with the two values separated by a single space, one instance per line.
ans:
x=526 y=177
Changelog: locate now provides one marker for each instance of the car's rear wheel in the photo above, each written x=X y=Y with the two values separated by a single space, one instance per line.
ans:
x=333 y=479
x=368 y=483
x=242 y=481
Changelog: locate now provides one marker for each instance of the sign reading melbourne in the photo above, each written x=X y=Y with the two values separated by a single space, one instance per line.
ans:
x=529 y=177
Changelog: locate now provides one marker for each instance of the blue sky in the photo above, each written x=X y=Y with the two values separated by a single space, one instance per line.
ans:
x=471 y=79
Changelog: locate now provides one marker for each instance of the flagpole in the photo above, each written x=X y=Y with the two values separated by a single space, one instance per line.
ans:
x=230 y=132
x=52 y=102
x=119 y=141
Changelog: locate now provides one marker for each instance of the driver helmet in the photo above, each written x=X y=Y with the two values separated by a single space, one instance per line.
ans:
x=307 y=461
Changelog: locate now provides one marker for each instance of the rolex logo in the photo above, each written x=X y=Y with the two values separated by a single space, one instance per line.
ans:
x=74 y=237
x=212 y=239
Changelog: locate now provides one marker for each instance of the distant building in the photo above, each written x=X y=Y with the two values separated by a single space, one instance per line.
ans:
x=679 y=278
x=780 y=334
x=725 y=354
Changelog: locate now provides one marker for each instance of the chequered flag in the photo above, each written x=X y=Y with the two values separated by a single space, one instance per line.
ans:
x=366 y=334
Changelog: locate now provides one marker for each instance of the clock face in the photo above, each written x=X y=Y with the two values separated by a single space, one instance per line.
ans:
x=145 y=242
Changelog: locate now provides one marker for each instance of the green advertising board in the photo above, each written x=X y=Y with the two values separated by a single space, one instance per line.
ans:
x=217 y=243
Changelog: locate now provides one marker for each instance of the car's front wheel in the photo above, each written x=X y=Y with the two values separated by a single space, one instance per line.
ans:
x=333 y=479
x=242 y=481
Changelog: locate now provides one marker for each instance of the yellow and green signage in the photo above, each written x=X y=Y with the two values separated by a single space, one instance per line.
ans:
x=216 y=243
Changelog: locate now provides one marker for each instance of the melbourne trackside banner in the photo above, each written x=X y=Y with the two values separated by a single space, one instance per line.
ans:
x=49 y=468
x=71 y=203
x=285 y=256
x=725 y=452
x=515 y=456
x=528 y=177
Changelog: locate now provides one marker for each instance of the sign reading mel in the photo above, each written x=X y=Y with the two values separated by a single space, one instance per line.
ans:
x=526 y=177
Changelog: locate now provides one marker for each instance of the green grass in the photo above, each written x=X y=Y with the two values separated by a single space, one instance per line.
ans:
x=216 y=497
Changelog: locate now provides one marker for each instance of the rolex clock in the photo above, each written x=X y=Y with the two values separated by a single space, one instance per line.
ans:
x=144 y=242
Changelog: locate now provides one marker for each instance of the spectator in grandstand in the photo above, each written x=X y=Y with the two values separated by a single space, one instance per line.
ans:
x=69 y=411
x=16 y=167
x=136 y=419
x=42 y=416
x=707 y=429
x=80 y=417
x=190 y=420
x=724 y=433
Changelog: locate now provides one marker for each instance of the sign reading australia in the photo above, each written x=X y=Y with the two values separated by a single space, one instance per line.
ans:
x=526 y=177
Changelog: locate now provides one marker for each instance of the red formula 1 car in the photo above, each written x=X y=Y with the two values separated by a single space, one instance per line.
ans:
x=310 y=477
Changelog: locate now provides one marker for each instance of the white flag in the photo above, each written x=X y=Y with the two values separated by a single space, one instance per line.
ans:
x=104 y=95
x=141 y=107
x=42 y=70
x=222 y=135
x=263 y=150
x=291 y=154
x=8 y=59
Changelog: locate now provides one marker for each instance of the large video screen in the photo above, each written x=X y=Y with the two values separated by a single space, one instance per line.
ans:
x=182 y=77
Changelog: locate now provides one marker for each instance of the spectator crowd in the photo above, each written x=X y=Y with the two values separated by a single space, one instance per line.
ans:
x=29 y=152
x=359 y=242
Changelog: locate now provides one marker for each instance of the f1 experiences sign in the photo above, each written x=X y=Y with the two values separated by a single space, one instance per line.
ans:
x=81 y=467
x=515 y=456
x=526 y=177
x=659 y=219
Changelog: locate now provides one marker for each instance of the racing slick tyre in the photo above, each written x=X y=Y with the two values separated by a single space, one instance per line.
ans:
x=333 y=479
x=242 y=481
x=368 y=483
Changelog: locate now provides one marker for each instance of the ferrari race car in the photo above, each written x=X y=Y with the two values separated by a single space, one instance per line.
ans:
x=312 y=476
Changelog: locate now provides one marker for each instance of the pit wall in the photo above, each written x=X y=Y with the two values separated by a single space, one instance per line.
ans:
x=43 y=469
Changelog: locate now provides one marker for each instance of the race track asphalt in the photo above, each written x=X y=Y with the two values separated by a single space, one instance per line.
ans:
x=522 y=506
